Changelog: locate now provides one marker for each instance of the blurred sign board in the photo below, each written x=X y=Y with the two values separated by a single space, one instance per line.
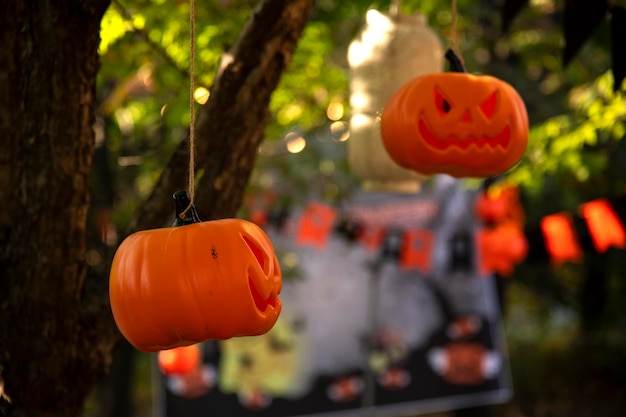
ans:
x=385 y=314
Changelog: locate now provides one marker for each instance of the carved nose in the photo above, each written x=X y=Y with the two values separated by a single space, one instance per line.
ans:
x=467 y=117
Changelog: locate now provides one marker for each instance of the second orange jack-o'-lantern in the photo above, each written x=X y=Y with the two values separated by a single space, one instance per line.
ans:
x=181 y=285
x=456 y=123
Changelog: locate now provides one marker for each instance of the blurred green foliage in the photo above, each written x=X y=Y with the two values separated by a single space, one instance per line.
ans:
x=581 y=146
x=577 y=123
x=576 y=150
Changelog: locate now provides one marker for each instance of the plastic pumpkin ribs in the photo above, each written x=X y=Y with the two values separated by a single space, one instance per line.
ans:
x=194 y=281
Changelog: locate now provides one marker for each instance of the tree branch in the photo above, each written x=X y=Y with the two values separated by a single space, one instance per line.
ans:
x=157 y=48
x=231 y=125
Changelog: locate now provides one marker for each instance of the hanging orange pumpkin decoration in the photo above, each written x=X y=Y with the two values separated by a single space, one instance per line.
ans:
x=182 y=285
x=181 y=360
x=455 y=123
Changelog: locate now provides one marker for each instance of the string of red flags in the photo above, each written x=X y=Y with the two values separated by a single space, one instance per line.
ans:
x=403 y=230
x=566 y=237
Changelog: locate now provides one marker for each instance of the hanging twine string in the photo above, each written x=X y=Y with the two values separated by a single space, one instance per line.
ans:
x=394 y=8
x=192 y=114
x=453 y=55
x=453 y=37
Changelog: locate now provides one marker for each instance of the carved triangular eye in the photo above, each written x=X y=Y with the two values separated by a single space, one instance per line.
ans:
x=257 y=252
x=442 y=105
x=488 y=106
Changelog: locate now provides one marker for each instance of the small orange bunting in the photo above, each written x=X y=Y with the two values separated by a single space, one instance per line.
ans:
x=560 y=238
x=604 y=227
x=416 y=249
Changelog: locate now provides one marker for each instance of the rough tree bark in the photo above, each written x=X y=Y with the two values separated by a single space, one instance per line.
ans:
x=49 y=357
x=56 y=333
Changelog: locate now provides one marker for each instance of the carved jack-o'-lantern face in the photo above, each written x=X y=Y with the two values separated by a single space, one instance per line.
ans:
x=455 y=123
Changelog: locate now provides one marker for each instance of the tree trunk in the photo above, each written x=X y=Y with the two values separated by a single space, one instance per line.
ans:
x=594 y=296
x=56 y=330
x=50 y=357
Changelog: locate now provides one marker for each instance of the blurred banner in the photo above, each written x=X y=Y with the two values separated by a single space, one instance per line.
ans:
x=387 y=311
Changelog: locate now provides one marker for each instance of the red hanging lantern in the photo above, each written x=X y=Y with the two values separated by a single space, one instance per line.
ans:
x=604 y=226
x=491 y=209
x=560 y=239
x=501 y=248
x=179 y=361
x=500 y=205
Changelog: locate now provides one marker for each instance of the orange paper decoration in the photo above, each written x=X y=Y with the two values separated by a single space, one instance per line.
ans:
x=604 y=226
x=416 y=249
x=560 y=237
x=316 y=224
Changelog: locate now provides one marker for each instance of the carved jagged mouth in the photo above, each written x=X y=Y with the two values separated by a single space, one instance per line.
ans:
x=502 y=139
x=261 y=302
